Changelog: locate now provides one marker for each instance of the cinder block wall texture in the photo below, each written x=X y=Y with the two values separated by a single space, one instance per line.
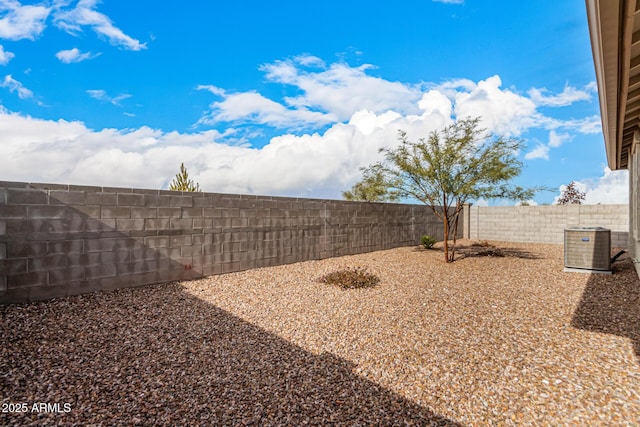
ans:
x=59 y=240
x=545 y=224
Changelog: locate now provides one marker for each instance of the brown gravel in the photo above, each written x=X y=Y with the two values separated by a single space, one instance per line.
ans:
x=487 y=340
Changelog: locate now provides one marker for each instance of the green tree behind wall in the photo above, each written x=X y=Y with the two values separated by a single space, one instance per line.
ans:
x=182 y=182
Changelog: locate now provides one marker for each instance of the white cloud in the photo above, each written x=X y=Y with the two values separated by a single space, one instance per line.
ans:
x=340 y=89
x=557 y=139
x=22 y=21
x=449 y=1
x=329 y=94
x=586 y=125
x=368 y=122
x=313 y=165
x=435 y=101
x=611 y=188
x=540 y=152
x=84 y=14
x=502 y=111
x=451 y=87
x=335 y=93
x=319 y=165
x=213 y=89
x=5 y=56
x=251 y=107
x=567 y=97
x=101 y=95
x=74 y=55
x=15 y=86
x=310 y=61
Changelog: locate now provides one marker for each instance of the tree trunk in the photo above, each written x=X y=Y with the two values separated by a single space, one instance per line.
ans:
x=455 y=228
x=445 y=222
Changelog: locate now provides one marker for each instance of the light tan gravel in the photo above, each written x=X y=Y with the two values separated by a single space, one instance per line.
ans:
x=484 y=341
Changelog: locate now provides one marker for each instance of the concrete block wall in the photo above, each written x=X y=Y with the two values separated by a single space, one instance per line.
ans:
x=545 y=224
x=59 y=240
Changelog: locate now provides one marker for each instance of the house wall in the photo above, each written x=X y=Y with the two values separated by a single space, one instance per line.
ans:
x=59 y=240
x=545 y=224
x=634 y=187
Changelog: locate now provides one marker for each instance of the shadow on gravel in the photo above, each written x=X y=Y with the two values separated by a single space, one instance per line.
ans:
x=477 y=250
x=160 y=356
x=610 y=304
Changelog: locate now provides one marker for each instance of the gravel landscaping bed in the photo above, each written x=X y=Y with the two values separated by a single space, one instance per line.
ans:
x=488 y=340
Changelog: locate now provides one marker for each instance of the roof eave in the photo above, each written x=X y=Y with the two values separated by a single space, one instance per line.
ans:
x=604 y=28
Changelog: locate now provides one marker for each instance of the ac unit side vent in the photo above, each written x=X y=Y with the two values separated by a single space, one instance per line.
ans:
x=587 y=248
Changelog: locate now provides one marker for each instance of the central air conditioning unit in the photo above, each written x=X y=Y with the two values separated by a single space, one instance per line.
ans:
x=587 y=249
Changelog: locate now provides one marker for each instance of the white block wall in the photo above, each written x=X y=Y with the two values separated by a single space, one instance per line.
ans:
x=545 y=224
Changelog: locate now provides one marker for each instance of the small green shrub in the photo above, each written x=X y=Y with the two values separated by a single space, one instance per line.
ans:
x=351 y=278
x=427 y=242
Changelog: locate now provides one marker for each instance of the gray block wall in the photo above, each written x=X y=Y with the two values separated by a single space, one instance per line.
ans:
x=545 y=224
x=59 y=240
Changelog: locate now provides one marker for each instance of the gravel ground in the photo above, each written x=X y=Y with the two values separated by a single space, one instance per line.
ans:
x=486 y=340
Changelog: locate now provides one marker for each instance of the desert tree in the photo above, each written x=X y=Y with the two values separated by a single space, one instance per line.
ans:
x=571 y=195
x=182 y=182
x=371 y=188
x=449 y=168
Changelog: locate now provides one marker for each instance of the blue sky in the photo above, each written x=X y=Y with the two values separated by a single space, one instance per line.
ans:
x=289 y=98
